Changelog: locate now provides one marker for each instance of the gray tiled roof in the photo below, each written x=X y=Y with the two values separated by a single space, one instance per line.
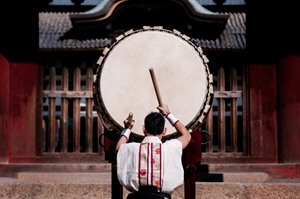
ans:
x=96 y=2
x=52 y=26
x=233 y=37
x=227 y=2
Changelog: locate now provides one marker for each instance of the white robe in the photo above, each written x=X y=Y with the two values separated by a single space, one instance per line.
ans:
x=128 y=159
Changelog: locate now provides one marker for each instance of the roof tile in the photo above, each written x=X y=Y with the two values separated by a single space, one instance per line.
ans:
x=53 y=26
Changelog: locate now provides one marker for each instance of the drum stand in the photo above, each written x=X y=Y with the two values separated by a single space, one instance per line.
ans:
x=191 y=159
x=110 y=155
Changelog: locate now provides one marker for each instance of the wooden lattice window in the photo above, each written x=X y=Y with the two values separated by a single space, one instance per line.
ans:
x=70 y=122
x=226 y=122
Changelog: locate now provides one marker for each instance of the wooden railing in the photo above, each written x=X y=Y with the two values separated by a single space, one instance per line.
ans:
x=71 y=125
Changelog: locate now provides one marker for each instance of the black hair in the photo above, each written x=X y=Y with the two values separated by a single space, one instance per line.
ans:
x=154 y=123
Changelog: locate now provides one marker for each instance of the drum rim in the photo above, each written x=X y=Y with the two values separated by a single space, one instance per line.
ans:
x=109 y=122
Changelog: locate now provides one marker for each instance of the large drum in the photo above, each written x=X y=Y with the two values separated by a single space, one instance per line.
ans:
x=123 y=82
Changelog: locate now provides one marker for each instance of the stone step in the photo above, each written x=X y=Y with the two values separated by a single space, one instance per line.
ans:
x=275 y=170
x=66 y=178
x=105 y=177
x=253 y=177
x=12 y=170
x=205 y=172
x=239 y=177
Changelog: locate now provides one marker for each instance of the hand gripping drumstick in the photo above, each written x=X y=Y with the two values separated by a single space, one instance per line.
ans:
x=128 y=121
x=129 y=118
x=160 y=102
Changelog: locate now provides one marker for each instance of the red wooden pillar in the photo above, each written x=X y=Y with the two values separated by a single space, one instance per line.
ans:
x=192 y=156
x=19 y=42
x=24 y=111
x=289 y=108
x=263 y=112
x=4 y=107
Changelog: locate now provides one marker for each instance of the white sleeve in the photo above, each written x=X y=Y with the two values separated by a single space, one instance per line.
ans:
x=173 y=168
x=127 y=170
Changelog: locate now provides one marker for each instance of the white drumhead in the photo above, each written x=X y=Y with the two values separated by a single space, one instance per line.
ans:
x=125 y=83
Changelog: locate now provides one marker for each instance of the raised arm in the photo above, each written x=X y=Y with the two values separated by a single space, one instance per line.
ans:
x=128 y=124
x=185 y=136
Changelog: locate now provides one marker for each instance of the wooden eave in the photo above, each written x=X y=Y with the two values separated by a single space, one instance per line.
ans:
x=188 y=16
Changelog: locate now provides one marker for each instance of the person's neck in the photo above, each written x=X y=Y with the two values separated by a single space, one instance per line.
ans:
x=158 y=136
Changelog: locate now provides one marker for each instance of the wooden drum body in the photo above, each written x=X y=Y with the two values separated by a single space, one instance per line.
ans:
x=123 y=83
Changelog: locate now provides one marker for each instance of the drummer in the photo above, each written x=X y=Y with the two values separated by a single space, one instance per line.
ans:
x=152 y=169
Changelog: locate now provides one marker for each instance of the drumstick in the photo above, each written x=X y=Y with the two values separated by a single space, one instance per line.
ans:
x=129 y=118
x=160 y=102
